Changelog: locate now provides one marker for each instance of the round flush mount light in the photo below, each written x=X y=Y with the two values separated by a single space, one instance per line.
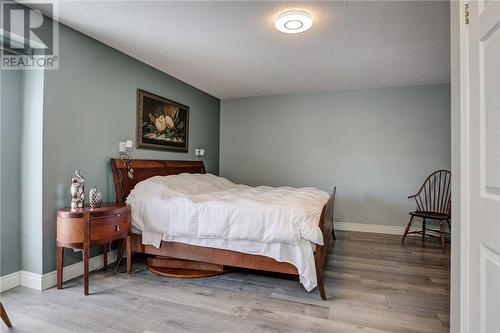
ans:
x=293 y=21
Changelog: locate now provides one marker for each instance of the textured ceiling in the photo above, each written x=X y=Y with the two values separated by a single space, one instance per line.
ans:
x=231 y=49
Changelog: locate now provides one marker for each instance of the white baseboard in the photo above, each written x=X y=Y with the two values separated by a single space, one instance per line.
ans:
x=375 y=228
x=10 y=281
x=45 y=281
x=31 y=280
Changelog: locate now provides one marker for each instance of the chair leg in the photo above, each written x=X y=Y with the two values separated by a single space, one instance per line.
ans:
x=449 y=225
x=5 y=318
x=406 y=230
x=333 y=233
x=423 y=229
x=441 y=234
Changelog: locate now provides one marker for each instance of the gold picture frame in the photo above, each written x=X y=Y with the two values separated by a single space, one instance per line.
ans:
x=162 y=124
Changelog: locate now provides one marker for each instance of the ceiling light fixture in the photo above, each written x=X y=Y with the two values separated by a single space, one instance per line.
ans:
x=293 y=21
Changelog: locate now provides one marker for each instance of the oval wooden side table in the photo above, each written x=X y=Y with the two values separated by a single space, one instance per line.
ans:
x=85 y=227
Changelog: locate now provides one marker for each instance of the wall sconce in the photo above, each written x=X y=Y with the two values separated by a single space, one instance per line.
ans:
x=125 y=146
x=199 y=153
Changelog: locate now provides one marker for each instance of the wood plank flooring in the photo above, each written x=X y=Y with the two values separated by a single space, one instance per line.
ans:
x=373 y=285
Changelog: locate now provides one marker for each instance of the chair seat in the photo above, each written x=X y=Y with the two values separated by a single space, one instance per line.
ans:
x=430 y=215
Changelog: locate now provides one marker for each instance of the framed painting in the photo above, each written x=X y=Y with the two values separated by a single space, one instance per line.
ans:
x=161 y=123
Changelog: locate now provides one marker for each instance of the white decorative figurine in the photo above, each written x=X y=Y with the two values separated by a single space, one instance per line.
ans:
x=77 y=190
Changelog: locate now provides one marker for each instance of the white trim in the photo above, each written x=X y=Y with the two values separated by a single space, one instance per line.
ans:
x=457 y=26
x=464 y=174
x=31 y=280
x=10 y=281
x=41 y=282
x=375 y=228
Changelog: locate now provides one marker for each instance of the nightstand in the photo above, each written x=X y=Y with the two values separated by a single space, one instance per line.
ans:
x=85 y=227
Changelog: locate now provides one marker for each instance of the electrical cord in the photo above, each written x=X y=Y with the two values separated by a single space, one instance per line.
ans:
x=119 y=260
x=83 y=254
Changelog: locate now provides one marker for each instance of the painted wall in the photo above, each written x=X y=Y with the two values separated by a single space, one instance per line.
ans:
x=11 y=108
x=89 y=106
x=375 y=145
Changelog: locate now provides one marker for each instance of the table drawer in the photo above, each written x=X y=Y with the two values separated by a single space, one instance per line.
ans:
x=109 y=227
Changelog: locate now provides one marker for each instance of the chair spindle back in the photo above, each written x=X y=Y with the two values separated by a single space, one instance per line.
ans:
x=435 y=194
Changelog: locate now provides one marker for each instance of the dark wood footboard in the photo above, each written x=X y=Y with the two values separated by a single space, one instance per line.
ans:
x=326 y=225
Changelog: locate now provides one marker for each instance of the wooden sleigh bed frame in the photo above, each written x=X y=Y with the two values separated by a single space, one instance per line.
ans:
x=143 y=169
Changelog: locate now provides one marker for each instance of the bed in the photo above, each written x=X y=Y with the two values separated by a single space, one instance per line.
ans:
x=301 y=256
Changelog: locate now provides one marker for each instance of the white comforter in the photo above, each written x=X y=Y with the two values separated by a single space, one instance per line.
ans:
x=198 y=208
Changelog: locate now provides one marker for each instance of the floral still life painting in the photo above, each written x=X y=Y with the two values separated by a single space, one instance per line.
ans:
x=161 y=123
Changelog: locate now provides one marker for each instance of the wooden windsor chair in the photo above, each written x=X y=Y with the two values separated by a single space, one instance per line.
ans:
x=433 y=203
x=334 y=192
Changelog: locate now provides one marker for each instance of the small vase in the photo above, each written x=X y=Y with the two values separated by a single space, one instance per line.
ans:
x=95 y=197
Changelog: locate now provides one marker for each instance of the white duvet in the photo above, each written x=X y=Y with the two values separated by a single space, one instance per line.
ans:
x=203 y=209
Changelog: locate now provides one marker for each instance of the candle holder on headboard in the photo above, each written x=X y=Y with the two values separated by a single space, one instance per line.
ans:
x=126 y=164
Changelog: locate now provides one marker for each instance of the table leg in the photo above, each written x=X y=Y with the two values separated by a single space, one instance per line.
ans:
x=105 y=257
x=60 y=258
x=86 y=254
x=128 y=245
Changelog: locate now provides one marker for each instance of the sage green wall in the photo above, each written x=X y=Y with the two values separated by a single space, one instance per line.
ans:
x=376 y=145
x=11 y=87
x=89 y=106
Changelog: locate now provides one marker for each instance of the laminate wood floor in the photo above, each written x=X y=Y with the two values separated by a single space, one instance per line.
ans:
x=373 y=285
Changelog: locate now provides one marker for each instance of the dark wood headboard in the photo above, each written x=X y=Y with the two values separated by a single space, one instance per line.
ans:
x=144 y=169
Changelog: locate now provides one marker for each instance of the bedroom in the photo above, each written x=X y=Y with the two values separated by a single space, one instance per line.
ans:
x=369 y=100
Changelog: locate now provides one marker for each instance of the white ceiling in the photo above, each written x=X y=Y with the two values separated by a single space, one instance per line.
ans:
x=231 y=49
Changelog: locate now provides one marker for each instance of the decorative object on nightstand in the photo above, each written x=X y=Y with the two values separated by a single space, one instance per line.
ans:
x=95 y=197
x=85 y=227
x=77 y=190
